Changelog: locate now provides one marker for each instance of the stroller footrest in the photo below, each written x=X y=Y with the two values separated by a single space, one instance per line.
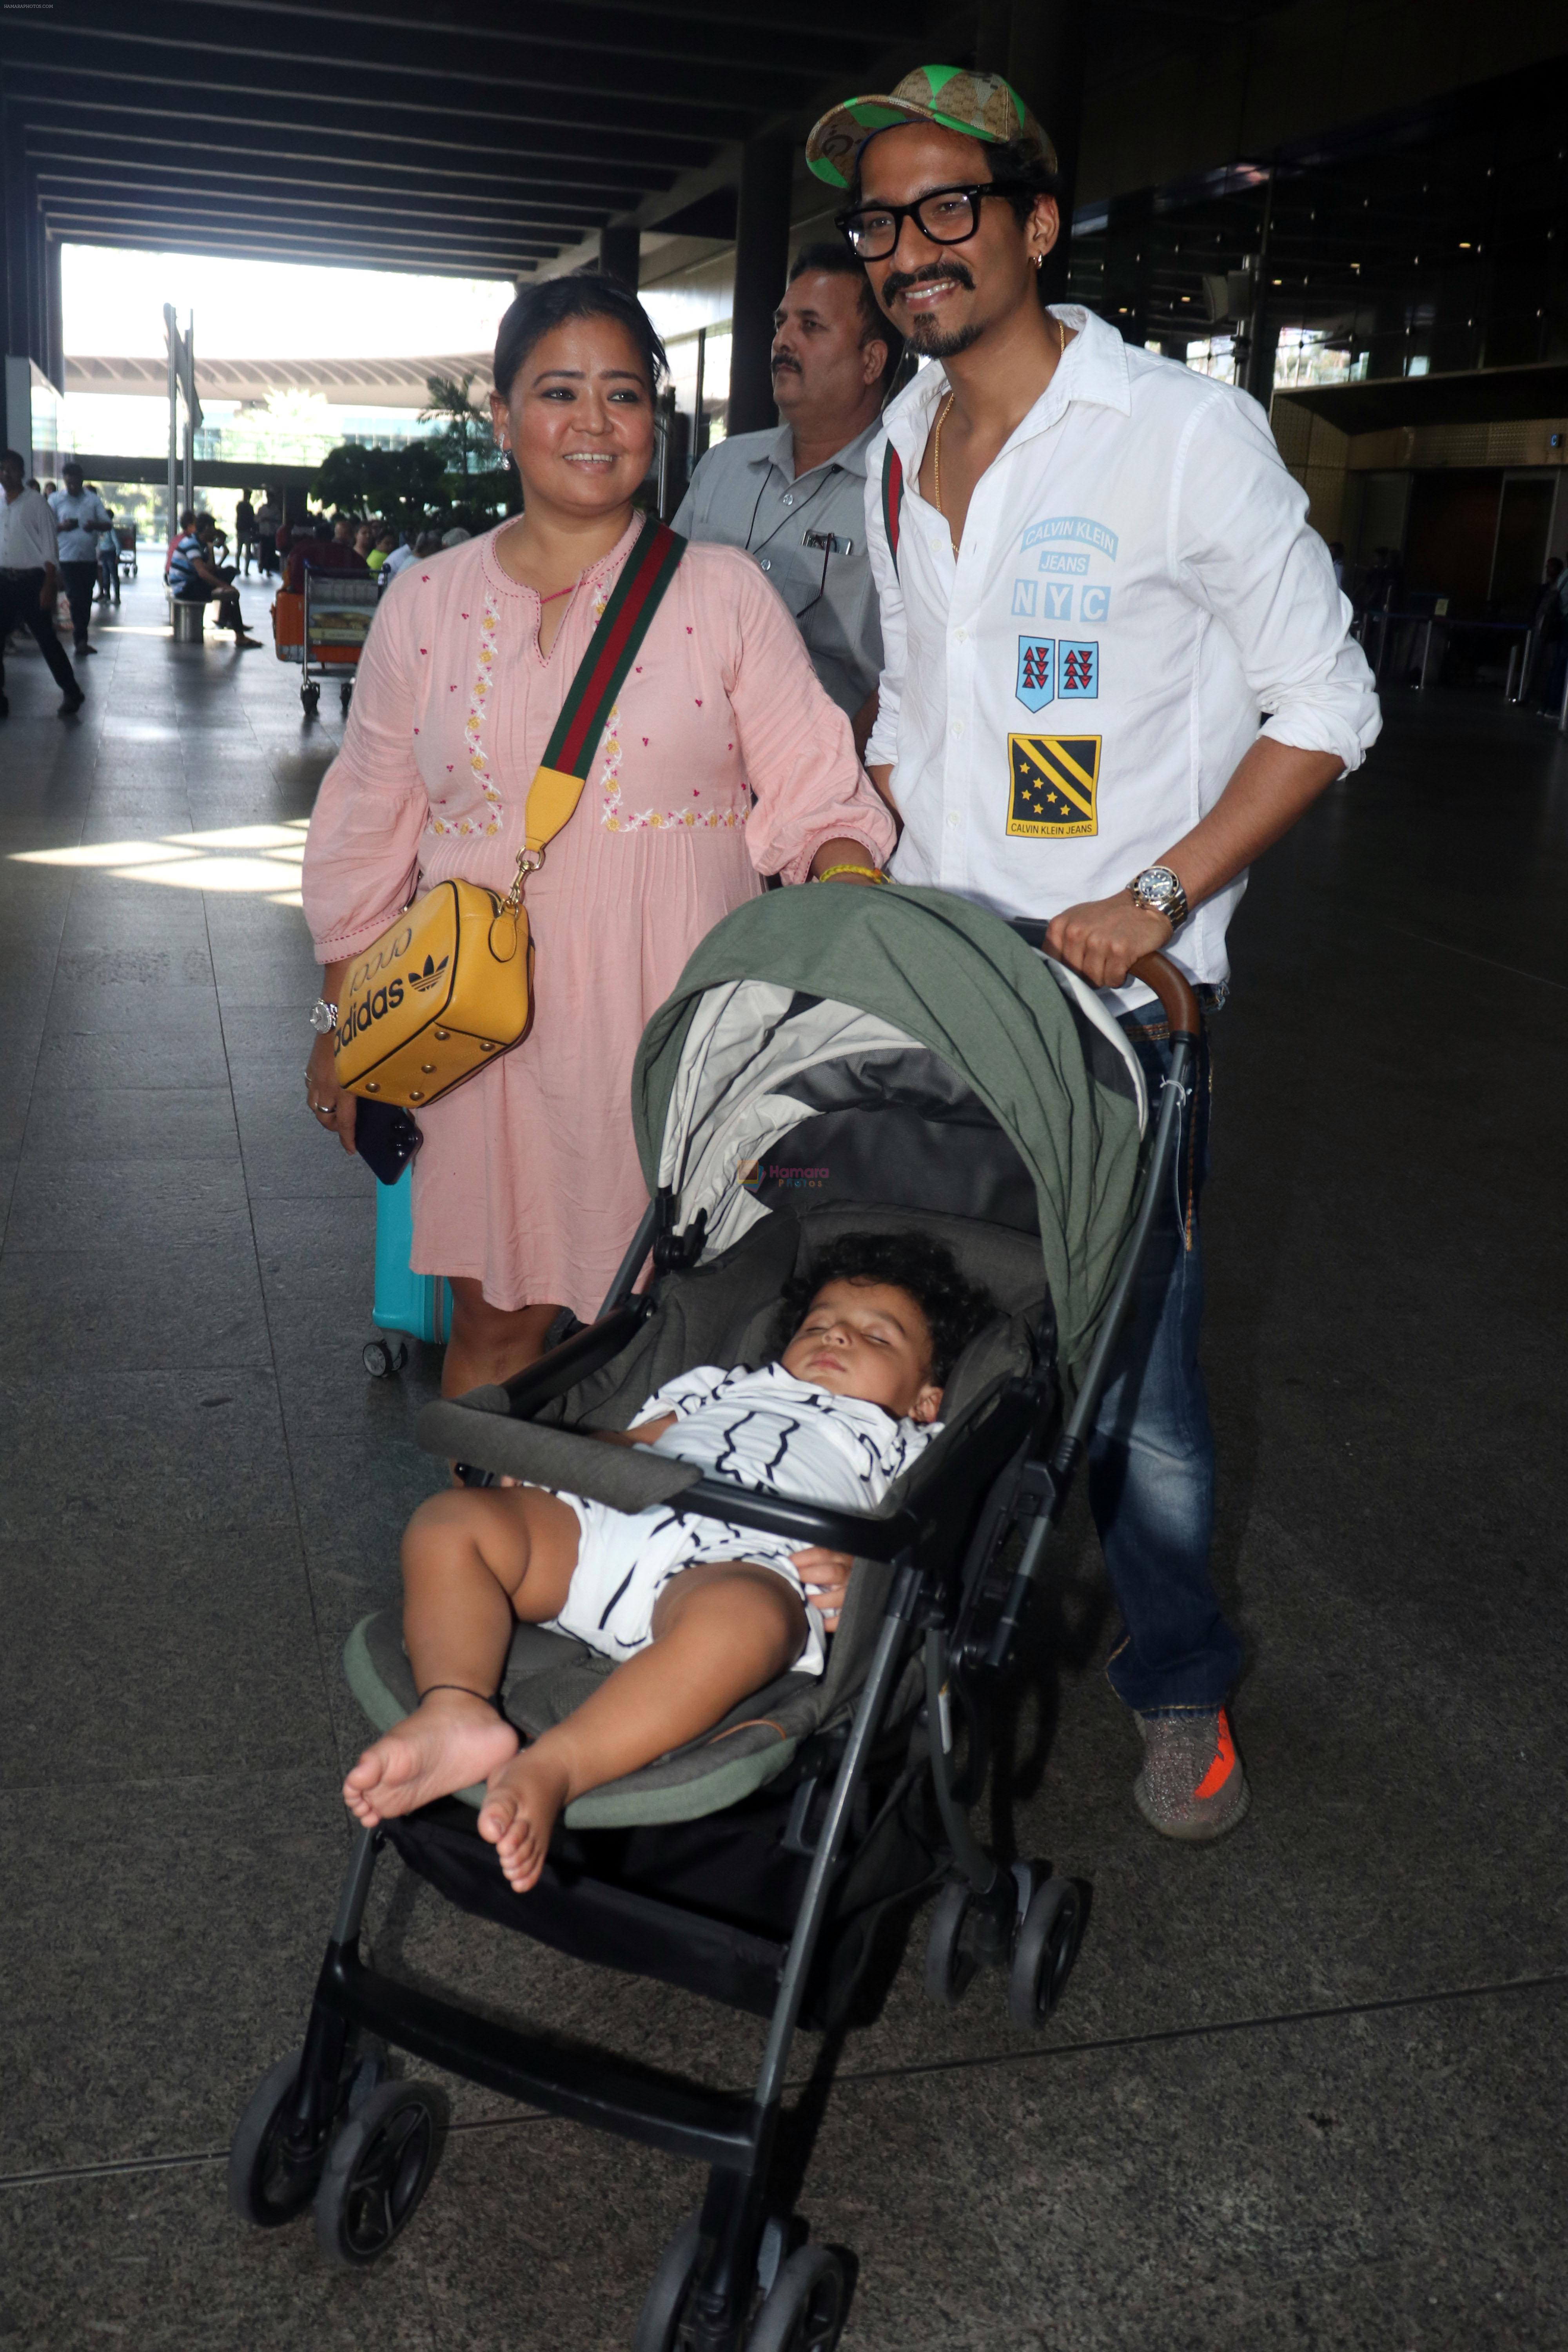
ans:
x=710 y=2126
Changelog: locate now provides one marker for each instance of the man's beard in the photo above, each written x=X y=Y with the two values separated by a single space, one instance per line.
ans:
x=927 y=338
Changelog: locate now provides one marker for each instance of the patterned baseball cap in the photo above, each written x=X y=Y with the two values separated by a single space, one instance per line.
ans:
x=981 y=105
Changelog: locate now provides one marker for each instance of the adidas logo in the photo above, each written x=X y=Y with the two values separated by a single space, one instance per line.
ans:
x=429 y=976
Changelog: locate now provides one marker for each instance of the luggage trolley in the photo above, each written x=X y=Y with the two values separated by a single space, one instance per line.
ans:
x=323 y=629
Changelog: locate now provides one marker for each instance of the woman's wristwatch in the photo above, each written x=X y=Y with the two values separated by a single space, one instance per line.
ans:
x=1159 y=889
x=323 y=1017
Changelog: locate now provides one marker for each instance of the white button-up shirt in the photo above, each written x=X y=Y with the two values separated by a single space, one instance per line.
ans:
x=1136 y=586
x=29 y=539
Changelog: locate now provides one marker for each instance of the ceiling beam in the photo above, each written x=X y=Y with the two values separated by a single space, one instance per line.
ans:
x=171 y=232
x=74 y=182
x=66 y=213
x=408 y=131
x=170 y=164
x=564 y=86
x=871 y=26
x=528 y=161
x=225 y=245
x=487 y=57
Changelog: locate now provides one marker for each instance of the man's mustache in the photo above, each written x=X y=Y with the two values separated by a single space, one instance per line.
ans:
x=899 y=281
x=783 y=360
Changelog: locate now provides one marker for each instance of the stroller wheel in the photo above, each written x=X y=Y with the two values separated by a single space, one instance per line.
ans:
x=1044 y=1953
x=379 y=2168
x=269 y=2182
x=658 y=2328
x=805 y=2311
x=951 y=1958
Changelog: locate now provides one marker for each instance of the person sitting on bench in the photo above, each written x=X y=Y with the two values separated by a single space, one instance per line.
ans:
x=194 y=579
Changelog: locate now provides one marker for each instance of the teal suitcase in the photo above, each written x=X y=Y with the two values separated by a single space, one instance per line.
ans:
x=417 y=1304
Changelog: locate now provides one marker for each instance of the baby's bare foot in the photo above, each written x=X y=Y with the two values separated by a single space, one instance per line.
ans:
x=450 y=1741
x=521 y=1806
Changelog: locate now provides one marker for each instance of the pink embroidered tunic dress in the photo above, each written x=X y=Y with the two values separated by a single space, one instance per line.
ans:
x=723 y=760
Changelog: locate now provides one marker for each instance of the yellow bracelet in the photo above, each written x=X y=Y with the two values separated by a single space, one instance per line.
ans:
x=872 y=873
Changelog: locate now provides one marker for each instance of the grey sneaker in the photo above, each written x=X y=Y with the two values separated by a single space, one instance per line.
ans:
x=1192 y=1785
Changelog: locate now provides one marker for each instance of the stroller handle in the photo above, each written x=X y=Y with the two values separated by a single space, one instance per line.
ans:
x=1181 y=1006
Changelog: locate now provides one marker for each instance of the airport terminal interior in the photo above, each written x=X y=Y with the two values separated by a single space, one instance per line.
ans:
x=1305 y=2087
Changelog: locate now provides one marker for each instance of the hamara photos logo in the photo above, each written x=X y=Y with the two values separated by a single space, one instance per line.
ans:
x=1071 y=527
x=752 y=1174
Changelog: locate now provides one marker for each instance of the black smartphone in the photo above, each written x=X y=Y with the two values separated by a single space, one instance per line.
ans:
x=386 y=1138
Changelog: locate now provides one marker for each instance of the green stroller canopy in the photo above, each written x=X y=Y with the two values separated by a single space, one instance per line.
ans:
x=808 y=997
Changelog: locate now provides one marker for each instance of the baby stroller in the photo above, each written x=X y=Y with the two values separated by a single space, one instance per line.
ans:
x=831 y=1060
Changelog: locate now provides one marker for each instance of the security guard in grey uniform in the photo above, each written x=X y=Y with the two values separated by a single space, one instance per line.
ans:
x=795 y=497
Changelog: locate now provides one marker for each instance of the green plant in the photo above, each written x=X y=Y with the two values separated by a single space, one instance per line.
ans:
x=402 y=486
x=465 y=437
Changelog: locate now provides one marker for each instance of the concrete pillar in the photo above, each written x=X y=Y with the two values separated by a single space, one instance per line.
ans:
x=54 y=315
x=762 y=259
x=21 y=261
x=618 y=253
x=1044 y=65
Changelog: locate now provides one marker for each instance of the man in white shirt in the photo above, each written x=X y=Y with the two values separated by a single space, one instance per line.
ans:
x=80 y=515
x=794 y=495
x=1096 y=578
x=398 y=560
x=29 y=577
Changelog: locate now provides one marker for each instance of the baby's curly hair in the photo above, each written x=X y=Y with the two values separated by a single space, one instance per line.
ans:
x=954 y=1309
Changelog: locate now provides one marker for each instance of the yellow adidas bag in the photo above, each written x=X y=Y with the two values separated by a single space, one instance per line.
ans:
x=448 y=986
x=440 y=994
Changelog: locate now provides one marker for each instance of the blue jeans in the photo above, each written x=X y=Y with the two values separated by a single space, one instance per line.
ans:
x=1151 y=1458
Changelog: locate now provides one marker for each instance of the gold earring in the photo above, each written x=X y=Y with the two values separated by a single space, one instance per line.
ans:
x=1040 y=260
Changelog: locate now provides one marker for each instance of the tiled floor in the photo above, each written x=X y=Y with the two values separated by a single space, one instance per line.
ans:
x=1306 y=2089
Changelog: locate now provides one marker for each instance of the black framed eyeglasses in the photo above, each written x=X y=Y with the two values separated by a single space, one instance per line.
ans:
x=945 y=216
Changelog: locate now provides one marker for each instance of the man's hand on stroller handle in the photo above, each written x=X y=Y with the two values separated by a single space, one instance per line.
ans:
x=1104 y=939
x=826 y=1575
x=1274 y=784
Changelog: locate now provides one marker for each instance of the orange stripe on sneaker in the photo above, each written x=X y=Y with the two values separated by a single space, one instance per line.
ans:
x=1219 y=1771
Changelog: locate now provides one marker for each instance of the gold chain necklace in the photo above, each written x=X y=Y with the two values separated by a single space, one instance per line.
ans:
x=936 y=458
x=941 y=419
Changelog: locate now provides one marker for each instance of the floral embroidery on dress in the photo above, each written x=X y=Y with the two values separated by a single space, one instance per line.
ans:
x=474 y=727
x=614 y=819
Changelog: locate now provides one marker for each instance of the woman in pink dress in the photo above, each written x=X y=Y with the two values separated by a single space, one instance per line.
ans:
x=723 y=760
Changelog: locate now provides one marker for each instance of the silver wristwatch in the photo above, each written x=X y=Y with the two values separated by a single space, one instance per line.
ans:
x=1158 y=889
x=323 y=1017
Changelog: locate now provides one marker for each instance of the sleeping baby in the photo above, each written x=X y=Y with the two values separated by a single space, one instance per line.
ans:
x=697 y=1613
